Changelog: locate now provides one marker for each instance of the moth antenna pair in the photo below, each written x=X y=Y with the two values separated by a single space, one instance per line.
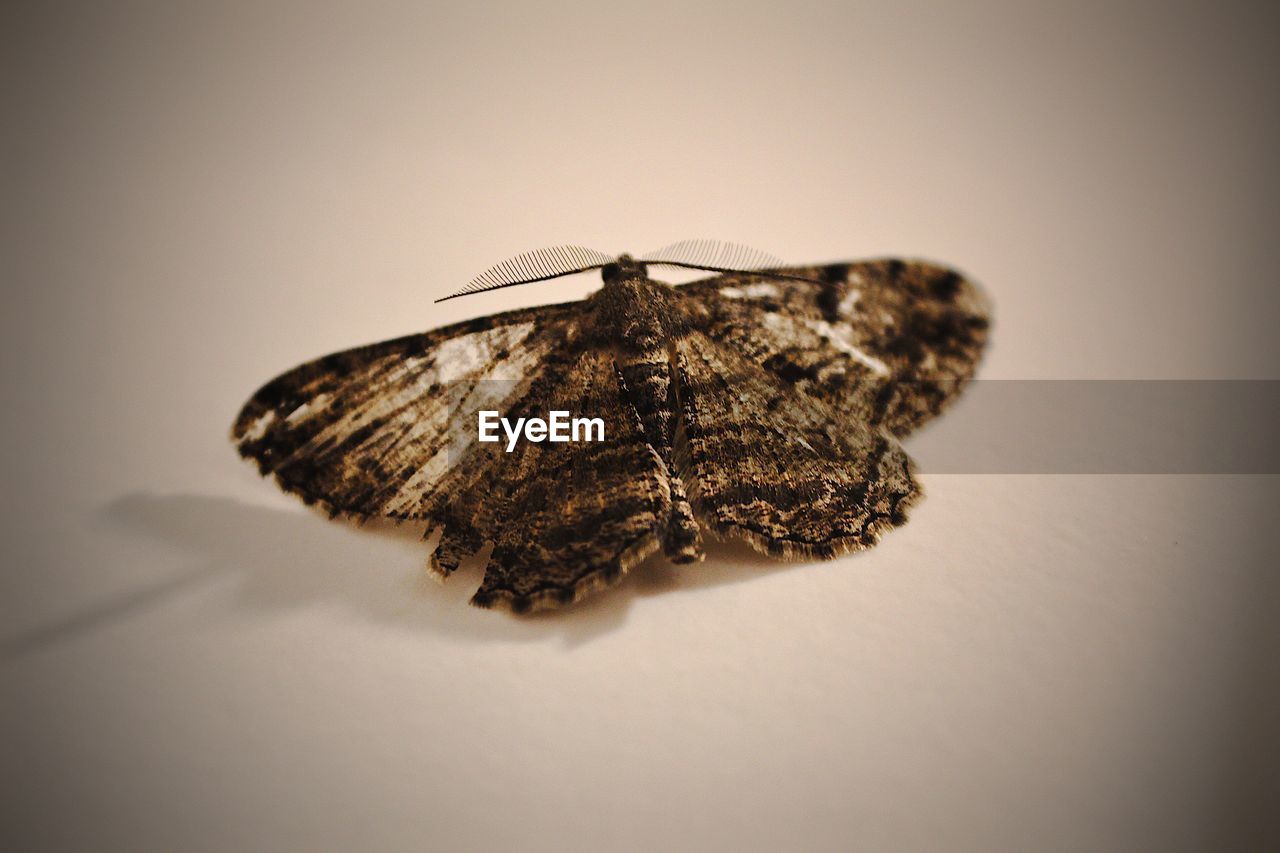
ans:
x=558 y=261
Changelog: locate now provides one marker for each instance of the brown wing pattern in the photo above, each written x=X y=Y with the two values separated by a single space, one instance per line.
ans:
x=368 y=431
x=779 y=468
x=389 y=430
x=564 y=518
x=785 y=400
x=888 y=342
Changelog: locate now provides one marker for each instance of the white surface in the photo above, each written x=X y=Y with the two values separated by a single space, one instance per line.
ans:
x=207 y=196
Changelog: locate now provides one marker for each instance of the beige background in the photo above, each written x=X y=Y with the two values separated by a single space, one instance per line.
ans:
x=201 y=195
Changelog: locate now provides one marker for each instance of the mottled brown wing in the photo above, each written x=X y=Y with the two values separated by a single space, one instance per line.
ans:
x=371 y=431
x=887 y=342
x=390 y=430
x=564 y=518
x=779 y=468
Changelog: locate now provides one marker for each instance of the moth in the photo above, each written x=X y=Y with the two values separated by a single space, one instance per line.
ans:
x=764 y=402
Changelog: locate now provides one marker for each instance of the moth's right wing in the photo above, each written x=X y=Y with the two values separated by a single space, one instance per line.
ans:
x=371 y=431
x=887 y=342
x=766 y=462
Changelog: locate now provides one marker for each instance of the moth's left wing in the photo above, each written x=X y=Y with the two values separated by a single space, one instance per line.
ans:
x=888 y=342
x=369 y=431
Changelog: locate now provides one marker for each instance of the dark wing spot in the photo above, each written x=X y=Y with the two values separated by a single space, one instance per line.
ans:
x=789 y=370
x=835 y=273
x=828 y=300
x=946 y=285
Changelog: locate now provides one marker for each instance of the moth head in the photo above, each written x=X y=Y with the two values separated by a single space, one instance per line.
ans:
x=624 y=268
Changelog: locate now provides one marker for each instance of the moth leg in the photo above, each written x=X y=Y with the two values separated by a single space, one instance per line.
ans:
x=457 y=542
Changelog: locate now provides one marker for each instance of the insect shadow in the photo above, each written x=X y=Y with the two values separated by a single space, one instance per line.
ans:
x=287 y=559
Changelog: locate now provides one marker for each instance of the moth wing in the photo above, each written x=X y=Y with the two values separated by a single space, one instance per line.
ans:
x=889 y=342
x=565 y=518
x=778 y=468
x=371 y=431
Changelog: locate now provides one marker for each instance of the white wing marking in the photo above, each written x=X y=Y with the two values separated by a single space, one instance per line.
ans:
x=840 y=340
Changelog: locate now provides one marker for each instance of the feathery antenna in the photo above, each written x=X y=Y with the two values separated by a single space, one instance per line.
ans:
x=539 y=265
x=712 y=254
x=715 y=256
